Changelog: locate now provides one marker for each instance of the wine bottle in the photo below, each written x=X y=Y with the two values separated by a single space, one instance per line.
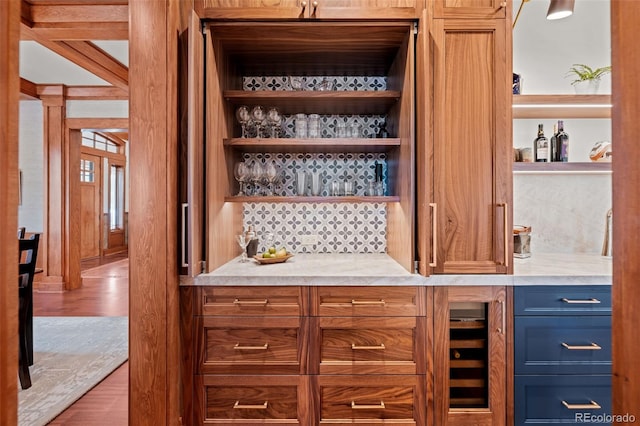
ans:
x=541 y=146
x=563 y=142
x=554 y=155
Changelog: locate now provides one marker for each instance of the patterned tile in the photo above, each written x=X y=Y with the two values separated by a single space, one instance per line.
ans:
x=340 y=227
x=342 y=83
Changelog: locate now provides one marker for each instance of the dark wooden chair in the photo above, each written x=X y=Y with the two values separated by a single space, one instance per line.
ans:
x=26 y=270
x=21 y=231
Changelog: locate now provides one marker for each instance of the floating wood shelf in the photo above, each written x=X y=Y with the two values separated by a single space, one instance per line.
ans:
x=562 y=167
x=318 y=199
x=328 y=145
x=561 y=106
x=466 y=324
x=318 y=102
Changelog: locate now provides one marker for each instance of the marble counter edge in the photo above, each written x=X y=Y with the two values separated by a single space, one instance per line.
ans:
x=408 y=280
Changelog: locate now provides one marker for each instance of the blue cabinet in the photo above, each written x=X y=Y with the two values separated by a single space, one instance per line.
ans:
x=562 y=355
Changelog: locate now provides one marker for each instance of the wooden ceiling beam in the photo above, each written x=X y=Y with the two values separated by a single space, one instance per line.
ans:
x=88 y=56
x=28 y=90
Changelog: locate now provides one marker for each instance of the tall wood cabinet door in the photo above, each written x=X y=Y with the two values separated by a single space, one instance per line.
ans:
x=471 y=8
x=470 y=356
x=253 y=9
x=191 y=173
x=365 y=9
x=471 y=145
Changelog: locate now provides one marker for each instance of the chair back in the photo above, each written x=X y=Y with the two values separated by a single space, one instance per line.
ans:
x=28 y=255
x=21 y=231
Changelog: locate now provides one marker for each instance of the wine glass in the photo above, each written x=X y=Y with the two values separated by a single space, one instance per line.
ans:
x=243 y=241
x=240 y=172
x=255 y=173
x=274 y=120
x=244 y=118
x=271 y=174
x=259 y=118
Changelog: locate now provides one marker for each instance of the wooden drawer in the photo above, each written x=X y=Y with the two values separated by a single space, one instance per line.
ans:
x=378 y=399
x=242 y=400
x=368 y=301
x=368 y=345
x=541 y=399
x=254 y=301
x=563 y=345
x=242 y=345
x=562 y=300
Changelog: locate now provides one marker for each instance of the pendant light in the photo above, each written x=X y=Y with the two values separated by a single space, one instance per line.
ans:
x=559 y=9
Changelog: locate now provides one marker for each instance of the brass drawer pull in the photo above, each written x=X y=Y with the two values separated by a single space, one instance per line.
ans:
x=364 y=347
x=355 y=406
x=263 y=302
x=239 y=406
x=592 y=300
x=380 y=302
x=592 y=347
x=591 y=406
x=251 y=348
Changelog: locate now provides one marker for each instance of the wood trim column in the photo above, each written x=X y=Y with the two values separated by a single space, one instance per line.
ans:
x=625 y=56
x=52 y=248
x=9 y=97
x=154 y=311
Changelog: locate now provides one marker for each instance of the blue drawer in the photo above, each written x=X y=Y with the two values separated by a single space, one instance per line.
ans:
x=563 y=345
x=562 y=300
x=539 y=399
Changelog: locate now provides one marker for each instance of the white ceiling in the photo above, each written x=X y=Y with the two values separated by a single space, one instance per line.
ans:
x=42 y=66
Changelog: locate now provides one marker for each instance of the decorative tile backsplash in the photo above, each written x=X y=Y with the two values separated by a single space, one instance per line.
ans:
x=341 y=83
x=339 y=227
x=358 y=168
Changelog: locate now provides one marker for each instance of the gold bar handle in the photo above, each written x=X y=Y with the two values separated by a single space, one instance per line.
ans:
x=434 y=235
x=504 y=317
x=263 y=302
x=239 y=406
x=364 y=347
x=507 y=234
x=591 y=406
x=355 y=406
x=238 y=347
x=380 y=302
x=592 y=347
x=578 y=301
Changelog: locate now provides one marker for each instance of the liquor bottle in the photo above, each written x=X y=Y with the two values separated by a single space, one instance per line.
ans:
x=541 y=146
x=563 y=142
x=554 y=155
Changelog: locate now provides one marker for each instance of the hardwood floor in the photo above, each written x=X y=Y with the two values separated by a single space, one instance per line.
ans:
x=104 y=292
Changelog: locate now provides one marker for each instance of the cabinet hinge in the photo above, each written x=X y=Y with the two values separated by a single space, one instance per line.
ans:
x=203 y=266
x=416 y=266
x=415 y=28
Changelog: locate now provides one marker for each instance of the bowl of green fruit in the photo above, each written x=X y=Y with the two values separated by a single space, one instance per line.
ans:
x=273 y=255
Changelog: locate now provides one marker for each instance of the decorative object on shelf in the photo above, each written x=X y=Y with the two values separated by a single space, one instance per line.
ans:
x=324 y=85
x=382 y=132
x=601 y=151
x=517 y=84
x=586 y=79
x=296 y=83
x=521 y=241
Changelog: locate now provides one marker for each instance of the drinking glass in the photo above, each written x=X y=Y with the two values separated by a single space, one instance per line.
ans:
x=244 y=118
x=240 y=172
x=271 y=175
x=259 y=119
x=243 y=241
x=274 y=121
x=255 y=173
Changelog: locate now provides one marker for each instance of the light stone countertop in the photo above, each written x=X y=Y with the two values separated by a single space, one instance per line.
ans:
x=381 y=269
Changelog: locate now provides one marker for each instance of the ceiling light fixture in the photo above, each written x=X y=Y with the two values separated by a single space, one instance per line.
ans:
x=559 y=9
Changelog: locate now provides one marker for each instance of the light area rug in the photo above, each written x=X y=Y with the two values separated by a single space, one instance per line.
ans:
x=71 y=356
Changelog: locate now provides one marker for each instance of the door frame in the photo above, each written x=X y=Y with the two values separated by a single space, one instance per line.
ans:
x=98 y=181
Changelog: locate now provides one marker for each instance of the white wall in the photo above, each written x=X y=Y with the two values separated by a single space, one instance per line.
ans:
x=566 y=211
x=30 y=161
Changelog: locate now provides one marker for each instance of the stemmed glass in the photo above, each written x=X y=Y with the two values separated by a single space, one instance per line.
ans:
x=259 y=118
x=255 y=176
x=274 y=120
x=243 y=242
x=244 y=118
x=240 y=172
x=271 y=175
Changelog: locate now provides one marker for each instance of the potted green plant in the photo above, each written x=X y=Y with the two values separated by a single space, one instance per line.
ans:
x=586 y=79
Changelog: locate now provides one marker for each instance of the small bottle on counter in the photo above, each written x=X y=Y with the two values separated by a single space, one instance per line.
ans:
x=563 y=143
x=541 y=146
x=252 y=246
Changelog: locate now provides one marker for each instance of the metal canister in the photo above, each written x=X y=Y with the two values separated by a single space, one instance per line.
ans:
x=521 y=241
